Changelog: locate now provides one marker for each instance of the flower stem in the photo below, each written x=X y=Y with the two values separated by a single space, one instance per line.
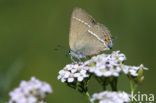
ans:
x=133 y=86
x=89 y=98
x=113 y=84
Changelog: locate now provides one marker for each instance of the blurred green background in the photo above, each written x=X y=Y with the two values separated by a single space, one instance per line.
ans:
x=31 y=29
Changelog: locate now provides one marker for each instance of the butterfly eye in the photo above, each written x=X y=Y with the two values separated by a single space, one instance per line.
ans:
x=107 y=39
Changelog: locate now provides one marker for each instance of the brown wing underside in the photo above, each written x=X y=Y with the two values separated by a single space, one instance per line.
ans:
x=80 y=39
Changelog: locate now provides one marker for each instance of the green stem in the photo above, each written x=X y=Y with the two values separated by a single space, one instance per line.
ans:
x=102 y=82
x=89 y=98
x=133 y=87
x=114 y=84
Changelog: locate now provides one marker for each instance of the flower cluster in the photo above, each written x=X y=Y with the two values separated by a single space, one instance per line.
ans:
x=111 y=97
x=103 y=65
x=107 y=64
x=72 y=72
x=33 y=91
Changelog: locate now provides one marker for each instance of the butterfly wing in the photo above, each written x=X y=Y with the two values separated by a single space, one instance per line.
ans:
x=78 y=26
x=86 y=36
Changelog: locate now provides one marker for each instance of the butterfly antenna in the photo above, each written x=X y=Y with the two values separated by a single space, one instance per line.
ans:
x=60 y=47
x=67 y=53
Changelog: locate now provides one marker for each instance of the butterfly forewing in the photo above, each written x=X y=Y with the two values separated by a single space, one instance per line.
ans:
x=78 y=26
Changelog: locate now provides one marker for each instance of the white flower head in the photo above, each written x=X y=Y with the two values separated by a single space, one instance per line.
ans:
x=30 y=91
x=111 y=97
x=72 y=72
x=102 y=65
x=106 y=64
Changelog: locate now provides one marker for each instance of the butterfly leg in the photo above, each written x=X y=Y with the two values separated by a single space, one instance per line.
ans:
x=79 y=60
x=73 y=60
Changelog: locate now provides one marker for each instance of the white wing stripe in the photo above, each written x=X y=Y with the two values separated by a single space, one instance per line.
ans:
x=97 y=37
x=82 y=21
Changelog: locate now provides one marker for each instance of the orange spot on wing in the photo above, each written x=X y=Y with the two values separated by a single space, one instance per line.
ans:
x=107 y=39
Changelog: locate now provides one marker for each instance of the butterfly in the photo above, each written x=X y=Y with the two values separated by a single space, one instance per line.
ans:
x=87 y=37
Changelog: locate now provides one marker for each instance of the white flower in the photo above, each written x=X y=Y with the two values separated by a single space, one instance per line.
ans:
x=81 y=75
x=30 y=91
x=119 y=57
x=132 y=70
x=142 y=66
x=63 y=75
x=111 y=97
x=71 y=78
x=72 y=72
